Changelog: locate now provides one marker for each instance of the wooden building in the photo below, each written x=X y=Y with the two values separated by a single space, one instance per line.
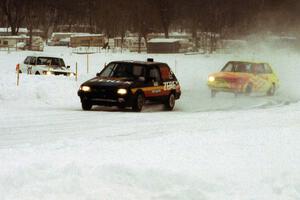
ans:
x=88 y=40
x=162 y=45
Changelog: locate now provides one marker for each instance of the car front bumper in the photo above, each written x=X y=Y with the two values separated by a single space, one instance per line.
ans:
x=105 y=99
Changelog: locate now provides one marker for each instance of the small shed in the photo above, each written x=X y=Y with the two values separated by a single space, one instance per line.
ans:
x=163 y=45
x=60 y=39
x=88 y=40
x=12 y=42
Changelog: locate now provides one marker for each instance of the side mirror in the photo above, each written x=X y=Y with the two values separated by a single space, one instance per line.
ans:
x=68 y=67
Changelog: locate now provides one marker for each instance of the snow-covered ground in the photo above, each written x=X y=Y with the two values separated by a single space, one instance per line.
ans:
x=228 y=148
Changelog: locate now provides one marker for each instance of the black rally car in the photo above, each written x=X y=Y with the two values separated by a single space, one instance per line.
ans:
x=130 y=84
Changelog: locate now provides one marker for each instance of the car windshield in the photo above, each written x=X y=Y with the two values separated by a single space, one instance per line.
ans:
x=241 y=67
x=123 y=70
x=53 y=62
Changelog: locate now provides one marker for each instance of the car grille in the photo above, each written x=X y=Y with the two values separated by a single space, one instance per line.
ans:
x=60 y=73
x=104 y=92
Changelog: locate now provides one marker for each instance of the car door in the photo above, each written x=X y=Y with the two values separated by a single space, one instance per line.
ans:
x=153 y=84
x=26 y=65
x=261 y=78
x=272 y=78
x=32 y=66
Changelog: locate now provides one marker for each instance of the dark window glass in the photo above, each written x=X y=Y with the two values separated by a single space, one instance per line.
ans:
x=268 y=69
x=258 y=68
x=242 y=67
x=154 y=75
x=138 y=71
x=27 y=60
x=62 y=63
x=107 y=71
x=228 y=68
x=53 y=62
x=32 y=61
x=123 y=70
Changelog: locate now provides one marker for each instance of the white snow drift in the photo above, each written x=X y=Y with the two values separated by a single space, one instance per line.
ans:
x=224 y=148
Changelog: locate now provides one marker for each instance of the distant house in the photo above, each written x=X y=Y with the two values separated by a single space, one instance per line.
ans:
x=21 y=42
x=172 y=35
x=88 y=40
x=163 y=45
x=60 y=39
x=12 y=41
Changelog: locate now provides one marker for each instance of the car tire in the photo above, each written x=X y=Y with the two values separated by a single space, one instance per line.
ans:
x=248 y=90
x=272 y=90
x=86 y=105
x=138 y=103
x=37 y=73
x=170 y=102
x=213 y=93
x=121 y=107
x=20 y=72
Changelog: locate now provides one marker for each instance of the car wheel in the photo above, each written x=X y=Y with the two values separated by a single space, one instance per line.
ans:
x=213 y=93
x=121 y=107
x=20 y=72
x=37 y=73
x=170 y=103
x=272 y=90
x=86 y=105
x=248 y=89
x=138 y=103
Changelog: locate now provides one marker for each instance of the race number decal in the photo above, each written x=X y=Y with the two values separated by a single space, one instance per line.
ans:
x=171 y=85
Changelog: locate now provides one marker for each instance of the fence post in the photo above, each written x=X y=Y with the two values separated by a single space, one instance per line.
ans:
x=87 y=63
x=18 y=75
x=76 y=70
x=175 y=66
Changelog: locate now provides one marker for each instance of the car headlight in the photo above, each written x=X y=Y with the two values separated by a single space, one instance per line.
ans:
x=48 y=73
x=211 y=79
x=85 y=88
x=122 y=91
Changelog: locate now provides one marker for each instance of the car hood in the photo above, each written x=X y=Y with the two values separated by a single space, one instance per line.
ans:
x=108 y=82
x=231 y=76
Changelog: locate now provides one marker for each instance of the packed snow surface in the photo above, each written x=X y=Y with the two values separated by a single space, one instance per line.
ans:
x=227 y=148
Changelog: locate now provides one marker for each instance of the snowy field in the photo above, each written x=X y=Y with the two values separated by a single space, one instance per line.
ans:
x=227 y=148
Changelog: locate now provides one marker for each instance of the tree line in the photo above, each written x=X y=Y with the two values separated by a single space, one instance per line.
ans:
x=229 y=18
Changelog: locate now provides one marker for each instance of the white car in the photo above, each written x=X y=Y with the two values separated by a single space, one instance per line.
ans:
x=43 y=65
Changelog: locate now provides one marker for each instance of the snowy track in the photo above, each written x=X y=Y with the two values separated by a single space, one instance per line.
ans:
x=225 y=148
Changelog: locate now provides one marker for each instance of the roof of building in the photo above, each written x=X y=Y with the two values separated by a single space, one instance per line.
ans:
x=163 y=40
x=7 y=30
x=87 y=35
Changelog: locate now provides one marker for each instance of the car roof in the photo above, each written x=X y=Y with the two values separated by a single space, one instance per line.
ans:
x=44 y=56
x=145 y=63
x=248 y=62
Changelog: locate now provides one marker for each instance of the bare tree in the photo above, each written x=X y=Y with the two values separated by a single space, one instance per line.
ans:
x=14 y=12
